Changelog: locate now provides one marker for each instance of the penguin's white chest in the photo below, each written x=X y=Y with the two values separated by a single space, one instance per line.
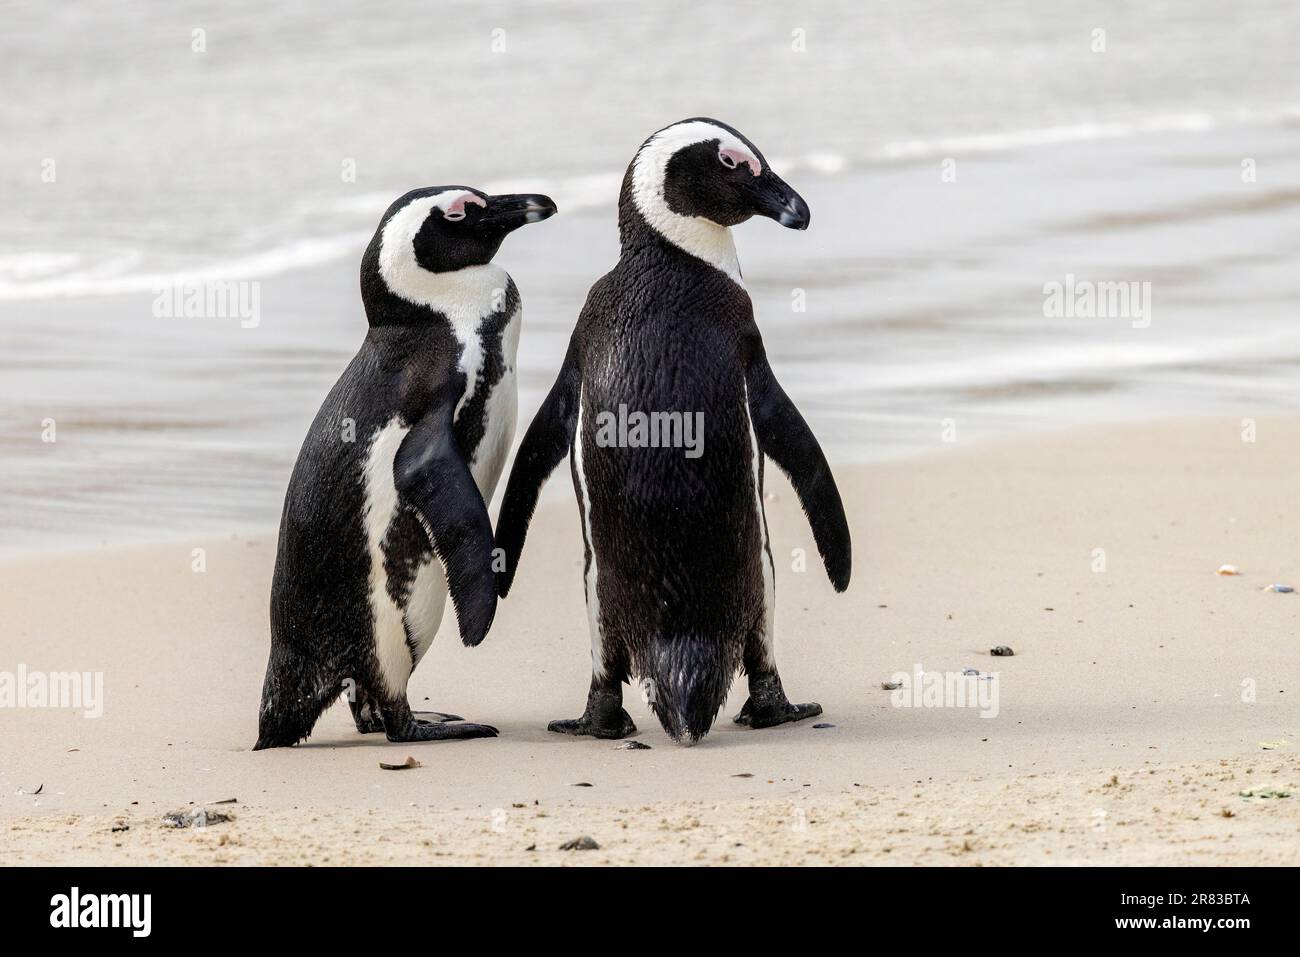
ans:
x=500 y=413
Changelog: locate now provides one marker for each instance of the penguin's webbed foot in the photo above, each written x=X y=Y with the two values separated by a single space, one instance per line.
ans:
x=768 y=706
x=604 y=716
x=372 y=723
x=416 y=730
x=769 y=716
x=619 y=725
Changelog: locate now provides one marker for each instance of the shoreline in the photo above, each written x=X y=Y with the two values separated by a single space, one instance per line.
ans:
x=1134 y=672
x=879 y=324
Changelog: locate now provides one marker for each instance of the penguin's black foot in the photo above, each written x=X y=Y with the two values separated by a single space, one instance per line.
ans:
x=416 y=730
x=768 y=706
x=771 y=715
x=604 y=716
x=608 y=726
x=373 y=724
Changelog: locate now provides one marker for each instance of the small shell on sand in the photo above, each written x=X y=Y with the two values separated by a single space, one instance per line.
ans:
x=1281 y=589
x=1001 y=651
x=195 y=817
x=1228 y=570
x=631 y=746
x=405 y=765
x=583 y=843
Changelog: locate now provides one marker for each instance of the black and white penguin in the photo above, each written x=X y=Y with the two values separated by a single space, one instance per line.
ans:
x=679 y=578
x=385 y=510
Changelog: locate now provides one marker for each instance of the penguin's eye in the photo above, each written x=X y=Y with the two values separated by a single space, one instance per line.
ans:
x=457 y=210
x=734 y=159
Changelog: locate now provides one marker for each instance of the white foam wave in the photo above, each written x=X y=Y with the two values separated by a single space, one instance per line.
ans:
x=45 y=275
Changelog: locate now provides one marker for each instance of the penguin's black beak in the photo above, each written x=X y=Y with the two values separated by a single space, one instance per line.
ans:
x=512 y=210
x=772 y=197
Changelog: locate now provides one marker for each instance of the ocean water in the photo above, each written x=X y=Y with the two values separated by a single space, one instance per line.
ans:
x=958 y=159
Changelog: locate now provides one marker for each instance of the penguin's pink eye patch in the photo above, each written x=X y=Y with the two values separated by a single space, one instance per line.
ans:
x=456 y=211
x=733 y=158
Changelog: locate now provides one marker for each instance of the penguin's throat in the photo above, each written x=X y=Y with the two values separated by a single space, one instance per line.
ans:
x=700 y=237
x=473 y=289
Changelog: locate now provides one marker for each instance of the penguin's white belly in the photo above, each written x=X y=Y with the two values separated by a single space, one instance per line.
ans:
x=392 y=653
x=502 y=409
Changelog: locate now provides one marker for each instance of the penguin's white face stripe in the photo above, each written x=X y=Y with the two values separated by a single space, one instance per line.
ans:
x=464 y=296
x=462 y=293
x=695 y=234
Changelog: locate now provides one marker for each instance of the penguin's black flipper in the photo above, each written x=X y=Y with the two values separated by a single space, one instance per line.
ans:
x=784 y=437
x=431 y=476
x=549 y=438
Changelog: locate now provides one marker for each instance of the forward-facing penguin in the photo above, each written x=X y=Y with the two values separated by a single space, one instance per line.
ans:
x=385 y=510
x=679 y=576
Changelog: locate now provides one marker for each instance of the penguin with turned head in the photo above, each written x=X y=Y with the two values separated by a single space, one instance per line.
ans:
x=679 y=579
x=385 y=510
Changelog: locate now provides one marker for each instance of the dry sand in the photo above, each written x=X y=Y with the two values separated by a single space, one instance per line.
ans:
x=1125 y=729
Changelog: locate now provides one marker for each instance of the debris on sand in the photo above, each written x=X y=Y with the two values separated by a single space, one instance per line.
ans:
x=119 y=828
x=631 y=746
x=971 y=672
x=1002 y=651
x=1280 y=589
x=38 y=790
x=1265 y=793
x=582 y=784
x=195 y=817
x=583 y=843
x=1277 y=745
x=1228 y=570
x=890 y=685
x=408 y=763
x=823 y=724
x=743 y=774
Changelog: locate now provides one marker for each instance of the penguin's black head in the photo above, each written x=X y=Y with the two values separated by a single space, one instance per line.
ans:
x=445 y=228
x=704 y=169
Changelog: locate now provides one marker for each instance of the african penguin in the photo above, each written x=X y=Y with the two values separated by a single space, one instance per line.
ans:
x=679 y=578
x=385 y=509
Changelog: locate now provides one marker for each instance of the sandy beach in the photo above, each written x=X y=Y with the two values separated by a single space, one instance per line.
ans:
x=1145 y=695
